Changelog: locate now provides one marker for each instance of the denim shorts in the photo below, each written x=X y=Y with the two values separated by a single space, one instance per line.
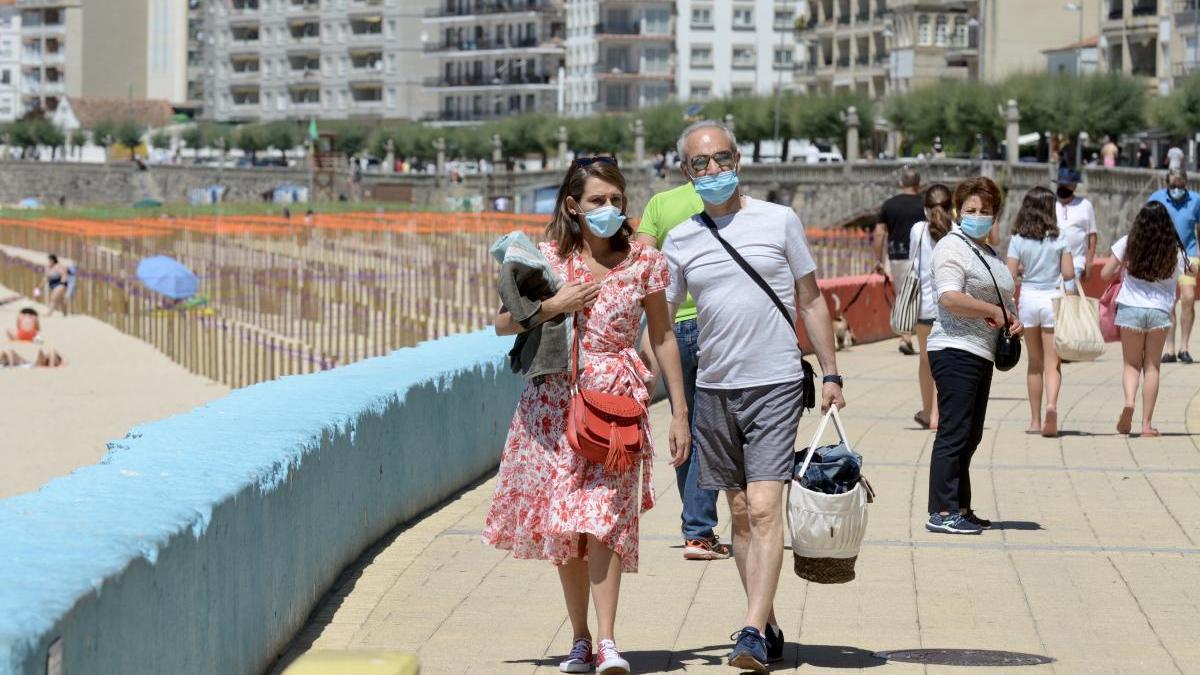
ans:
x=1142 y=319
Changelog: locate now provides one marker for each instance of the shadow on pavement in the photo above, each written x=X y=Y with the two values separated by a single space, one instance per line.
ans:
x=1016 y=525
x=662 y=660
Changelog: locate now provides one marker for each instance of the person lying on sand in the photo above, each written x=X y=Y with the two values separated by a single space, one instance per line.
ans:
x=28 y=326
x=50 y=358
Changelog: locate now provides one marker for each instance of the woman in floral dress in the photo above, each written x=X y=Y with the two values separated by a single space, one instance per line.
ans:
x=550 y=503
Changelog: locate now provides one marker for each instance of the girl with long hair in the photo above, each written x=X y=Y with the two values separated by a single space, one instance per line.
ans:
x=1041 y=262
x=1152 y=257
x=550 y=502
x=921 y=240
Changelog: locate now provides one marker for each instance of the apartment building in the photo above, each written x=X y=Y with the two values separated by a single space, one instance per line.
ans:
x=10 y=61
x=294 y=59
x=736 y=48
x=620 y=55
x=195 y=51
x=494 y=58
x=1012 y=36
x=115 y=48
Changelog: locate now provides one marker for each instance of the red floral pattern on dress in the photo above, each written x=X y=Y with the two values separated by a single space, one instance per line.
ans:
x=547 y=495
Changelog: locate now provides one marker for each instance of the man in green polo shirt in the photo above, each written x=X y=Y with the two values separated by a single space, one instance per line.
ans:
x=664 y=211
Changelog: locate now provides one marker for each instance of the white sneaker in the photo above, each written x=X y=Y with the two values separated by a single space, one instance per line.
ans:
x=580 y=660
x=610 y=660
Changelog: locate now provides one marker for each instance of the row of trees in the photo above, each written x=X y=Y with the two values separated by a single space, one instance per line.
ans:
x=960 y=113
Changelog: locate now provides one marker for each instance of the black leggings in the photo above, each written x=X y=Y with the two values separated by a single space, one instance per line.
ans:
x=963 y=383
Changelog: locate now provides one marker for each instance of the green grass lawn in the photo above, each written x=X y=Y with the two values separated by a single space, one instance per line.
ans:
x=184 y=210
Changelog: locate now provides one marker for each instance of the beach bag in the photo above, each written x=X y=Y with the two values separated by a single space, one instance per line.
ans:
x=1108 y=310
x=1077 y=335
x=908 y=298
x=827 y=529
x=602 y=427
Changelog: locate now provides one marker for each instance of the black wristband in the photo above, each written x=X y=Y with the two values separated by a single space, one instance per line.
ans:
x=832 y=379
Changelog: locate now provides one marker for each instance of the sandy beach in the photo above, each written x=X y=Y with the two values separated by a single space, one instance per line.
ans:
x=59 y=419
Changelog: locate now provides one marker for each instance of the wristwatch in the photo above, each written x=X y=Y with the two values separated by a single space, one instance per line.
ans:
x=832 y=379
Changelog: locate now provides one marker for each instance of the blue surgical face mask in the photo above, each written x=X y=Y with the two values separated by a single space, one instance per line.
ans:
x=605 y=221
x=1177 y=193
x=975 y=226
x=717 y=189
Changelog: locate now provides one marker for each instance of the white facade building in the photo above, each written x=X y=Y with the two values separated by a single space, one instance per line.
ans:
x=10 y=62
x=731 y=48
x=621 y=55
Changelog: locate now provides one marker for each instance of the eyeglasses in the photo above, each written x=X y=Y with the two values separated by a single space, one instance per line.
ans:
x=724 y=160
x=585 y=161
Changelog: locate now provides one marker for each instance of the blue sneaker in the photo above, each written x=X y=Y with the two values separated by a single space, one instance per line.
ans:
x=952 y=524
x=775 y=643
x=750 y=650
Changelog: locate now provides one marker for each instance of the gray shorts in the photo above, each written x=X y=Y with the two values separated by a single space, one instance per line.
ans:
x=746 y=435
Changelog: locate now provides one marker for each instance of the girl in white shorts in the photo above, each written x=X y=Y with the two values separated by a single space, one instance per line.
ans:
x=1040 y=261
x=1152 y=258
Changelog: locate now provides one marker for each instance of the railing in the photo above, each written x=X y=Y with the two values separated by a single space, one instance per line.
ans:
x=480 y=45
x=486 y=81
x=489 y=7
x=1145 y=9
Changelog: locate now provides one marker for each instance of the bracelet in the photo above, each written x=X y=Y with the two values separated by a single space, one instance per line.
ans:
x=832 y=379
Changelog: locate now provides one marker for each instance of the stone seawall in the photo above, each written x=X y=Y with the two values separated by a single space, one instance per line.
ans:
x=823 y=194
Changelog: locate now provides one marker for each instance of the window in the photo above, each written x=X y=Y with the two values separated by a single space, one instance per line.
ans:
x=785 y=19
x=783 y=57
x=656 y=22
x=702 y=17
x=702 y=57
x=943 y=31
x=743 y=18
x=924 y=36
x=5 y=78
x=743 y=57
x=701 y=92
x=742 y=92
x=961 y=34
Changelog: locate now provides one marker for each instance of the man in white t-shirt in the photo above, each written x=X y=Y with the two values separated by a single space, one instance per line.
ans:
x=1076 y=221
x=1175 y=158
x=750 y=374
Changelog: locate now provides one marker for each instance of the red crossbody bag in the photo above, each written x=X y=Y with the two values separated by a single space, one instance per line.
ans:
x=602 y=427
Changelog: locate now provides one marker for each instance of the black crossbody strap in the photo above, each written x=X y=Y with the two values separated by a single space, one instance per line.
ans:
x=737 y=258
x=999 y=297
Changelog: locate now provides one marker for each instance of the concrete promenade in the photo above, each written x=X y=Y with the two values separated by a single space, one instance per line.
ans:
x=1094 y=560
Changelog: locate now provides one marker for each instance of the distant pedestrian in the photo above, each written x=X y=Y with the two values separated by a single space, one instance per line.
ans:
x=1152 y=258
x=56 y=281
x=1184 y=207
x=1039 y=258
x=1109 y=152
x=925 y=234
x=962 y=349
x=551 y=503
x=1076 y=222
x=1175 y=158
x=895 y=222
x=1143 y=156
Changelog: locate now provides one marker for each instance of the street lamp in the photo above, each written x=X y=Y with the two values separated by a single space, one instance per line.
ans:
x=977 y=26
x=1077 y=7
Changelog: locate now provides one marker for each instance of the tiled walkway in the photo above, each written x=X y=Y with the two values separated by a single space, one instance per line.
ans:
x=1095 y=559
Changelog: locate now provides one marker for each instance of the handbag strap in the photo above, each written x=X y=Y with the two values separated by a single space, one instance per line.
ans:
x=812 y=446
x=750 y=271
x=574 y=374
x=986 y=266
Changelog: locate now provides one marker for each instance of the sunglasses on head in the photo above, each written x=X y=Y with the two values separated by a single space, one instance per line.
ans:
x=724 y=160
x=585 y=161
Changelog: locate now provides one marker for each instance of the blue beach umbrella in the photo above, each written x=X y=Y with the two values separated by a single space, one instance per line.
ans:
x=167 y=276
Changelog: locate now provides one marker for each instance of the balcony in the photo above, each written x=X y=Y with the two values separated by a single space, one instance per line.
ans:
x=366 y=62
x=243 y=7
x=366 y=93
x=244 y=69
x=304 y=65
x=486 y=44
x=305 y=96
x=471 y=80
x=654 y=71
x=461 y=9
x=307 y=32
x=243 y=36
x=635 y=31
x=366 y=28
x=304 y=6
x=1145 y=9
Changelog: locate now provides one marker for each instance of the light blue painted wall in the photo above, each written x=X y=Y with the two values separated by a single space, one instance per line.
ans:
x=201 y=542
